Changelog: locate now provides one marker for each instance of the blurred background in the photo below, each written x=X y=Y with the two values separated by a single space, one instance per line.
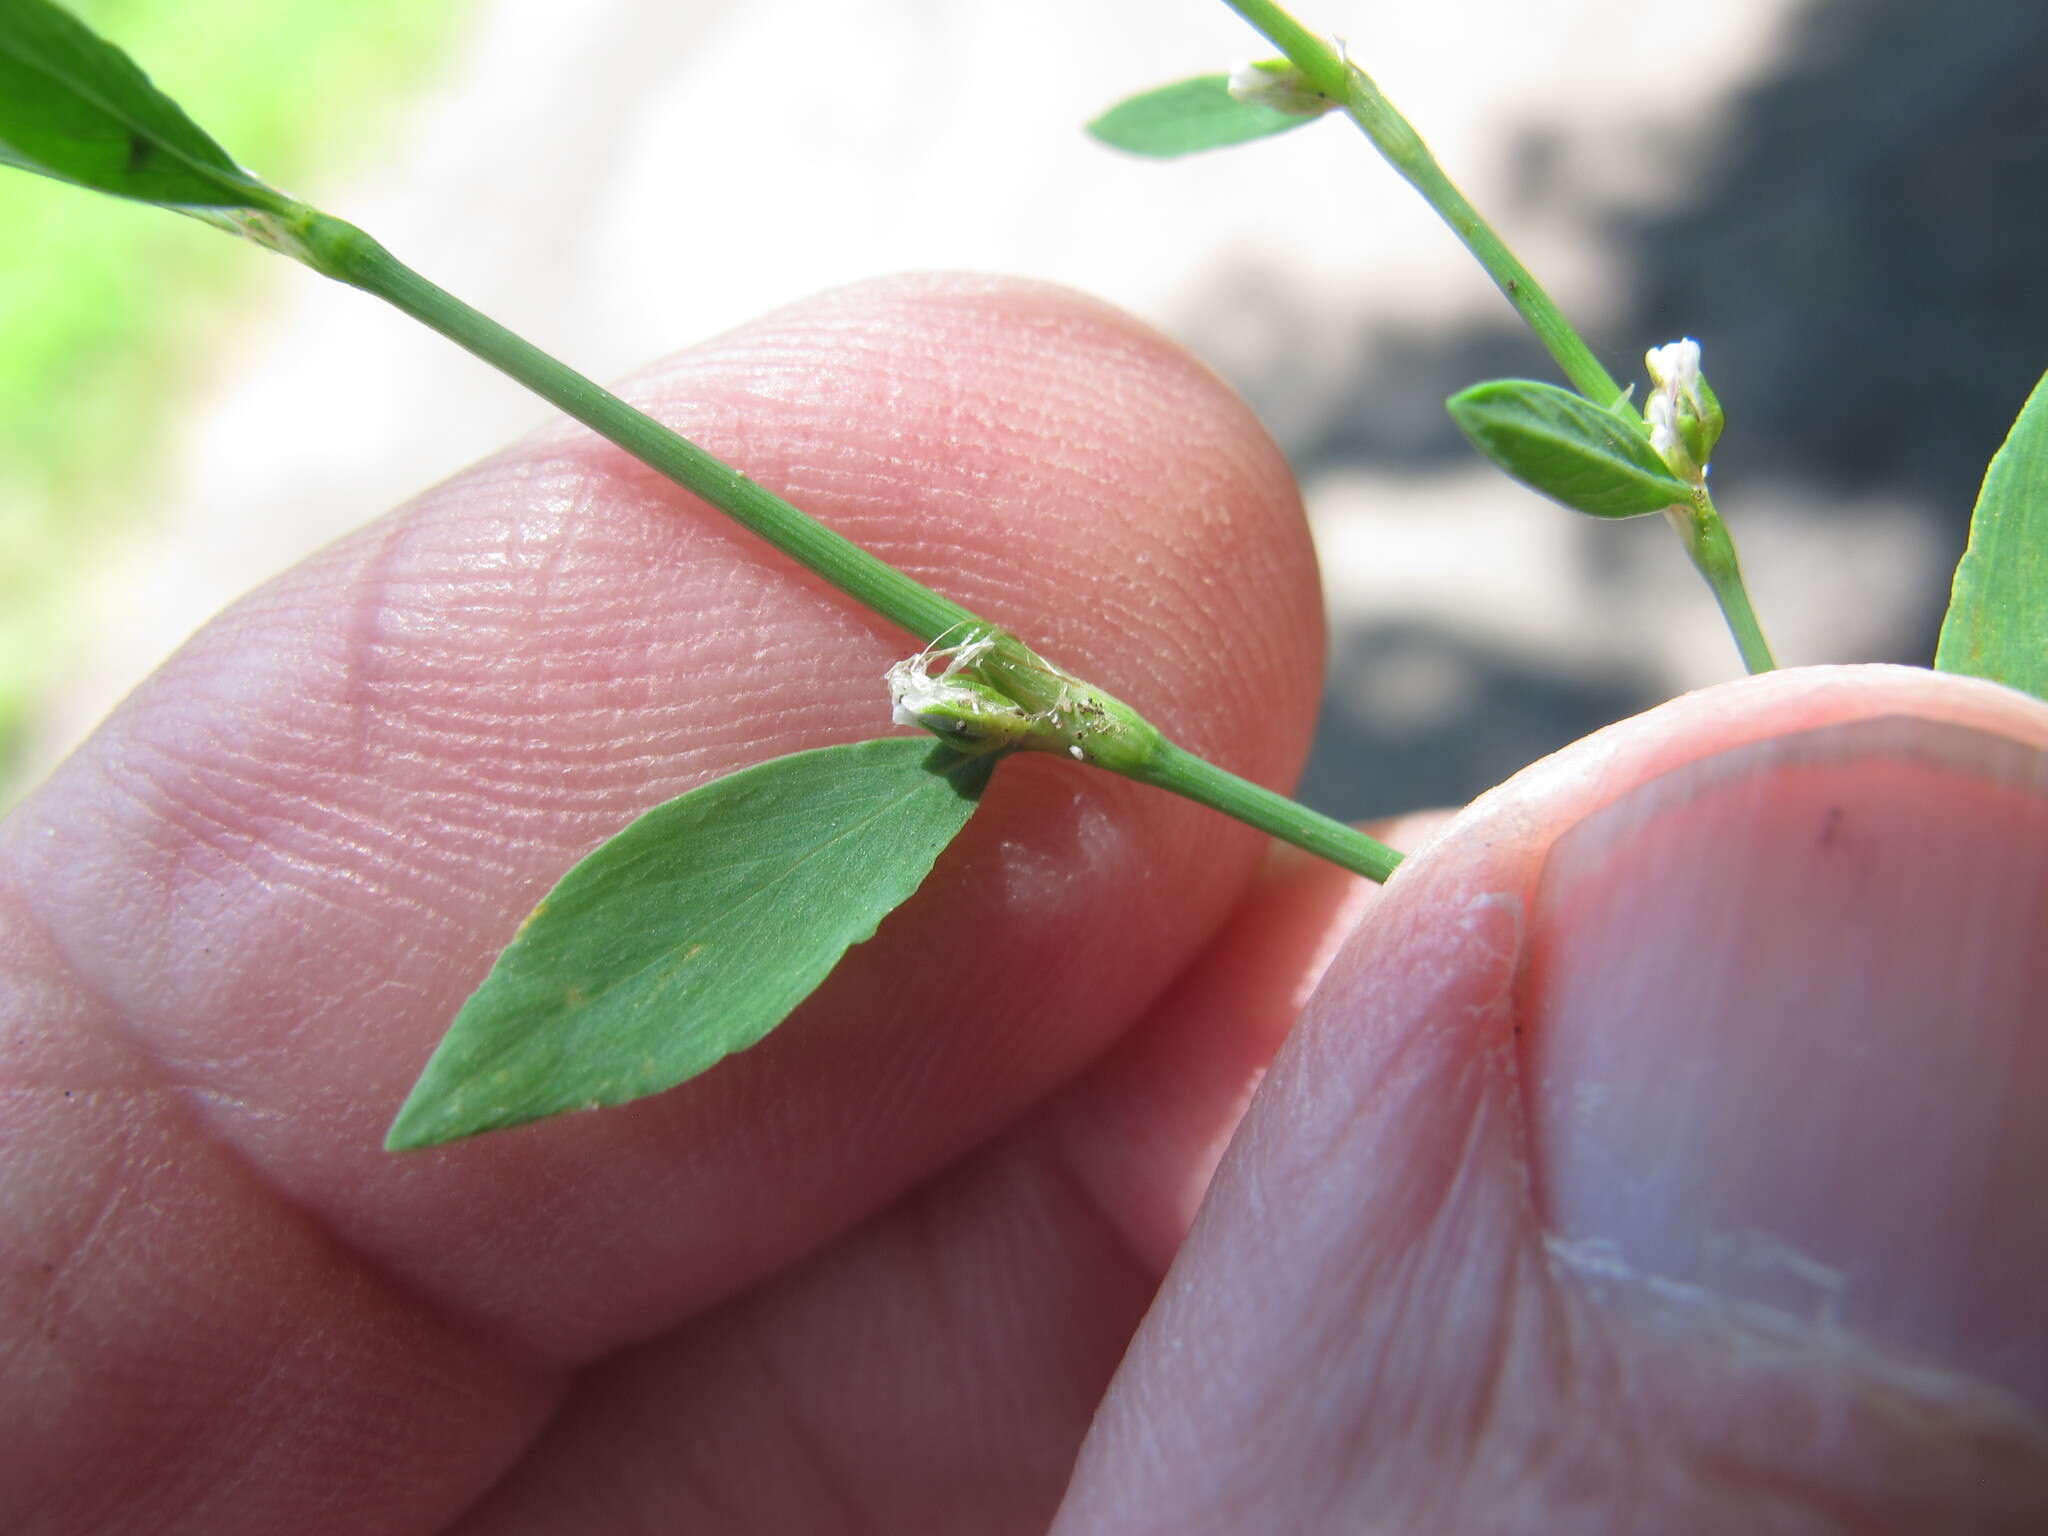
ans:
x=1838 y=197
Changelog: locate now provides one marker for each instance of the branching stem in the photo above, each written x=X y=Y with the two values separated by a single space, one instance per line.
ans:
x=1396 y=139
x=1706 y=537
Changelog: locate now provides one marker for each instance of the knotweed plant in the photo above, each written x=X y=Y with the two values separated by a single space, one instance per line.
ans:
x=669 y=947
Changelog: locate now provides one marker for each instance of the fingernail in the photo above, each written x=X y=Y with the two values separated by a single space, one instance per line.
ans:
x=1786 y=1038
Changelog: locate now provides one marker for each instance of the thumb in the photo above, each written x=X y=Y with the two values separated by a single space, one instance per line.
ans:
x=1662 y=1152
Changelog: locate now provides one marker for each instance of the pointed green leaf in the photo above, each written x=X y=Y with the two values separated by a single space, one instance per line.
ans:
x=75 y=107
x=1997 y=620
x=693 y=933
x=1190 y=115
x=1571 y=450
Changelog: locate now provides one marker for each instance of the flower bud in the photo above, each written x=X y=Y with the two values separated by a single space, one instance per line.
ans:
x=1683 y=415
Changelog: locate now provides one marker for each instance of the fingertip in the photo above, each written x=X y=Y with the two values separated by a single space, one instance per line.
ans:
x=294 y=851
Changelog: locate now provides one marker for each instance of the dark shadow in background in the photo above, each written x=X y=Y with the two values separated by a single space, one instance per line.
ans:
x=1502 y=705
x=1867 y=259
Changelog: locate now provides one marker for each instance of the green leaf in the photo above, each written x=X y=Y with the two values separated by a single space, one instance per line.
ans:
x=693 y=933
x=1573 y=451
x=75 y=107
x=1190 y=115
x=1997 y=620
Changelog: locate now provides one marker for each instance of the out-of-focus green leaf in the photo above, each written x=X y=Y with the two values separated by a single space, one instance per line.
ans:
x=693 y=933
x=1563 y=445
x=1190 y=115
x=1997 y=620
x=75 y=107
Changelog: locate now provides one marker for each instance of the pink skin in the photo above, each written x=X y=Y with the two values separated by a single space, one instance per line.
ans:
x=879 y=1273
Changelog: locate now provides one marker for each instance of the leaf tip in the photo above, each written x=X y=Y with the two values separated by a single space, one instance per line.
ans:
x=419 y=1123
x=439 y=1111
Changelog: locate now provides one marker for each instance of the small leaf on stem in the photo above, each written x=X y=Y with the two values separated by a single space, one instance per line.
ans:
x=75 y=107
x=1997 y=620
x=693 y=933
x=1191 y=115
x=1559 y=443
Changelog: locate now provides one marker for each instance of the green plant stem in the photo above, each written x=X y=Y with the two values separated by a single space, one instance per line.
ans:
x=345 y=253
x=1174 y=768
x=1706 y=536
x=341 y=251
x=1396 y=139
x=1712 y=548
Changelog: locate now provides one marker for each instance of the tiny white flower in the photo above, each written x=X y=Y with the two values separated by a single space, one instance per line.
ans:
x=1683 y=419
x=1676 y=359
x=1661 y=412
x=1675 y=371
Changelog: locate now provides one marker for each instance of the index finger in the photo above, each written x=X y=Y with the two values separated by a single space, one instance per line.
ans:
x=268 y=881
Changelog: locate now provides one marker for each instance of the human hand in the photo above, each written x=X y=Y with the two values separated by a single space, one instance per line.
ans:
x=879 y=1271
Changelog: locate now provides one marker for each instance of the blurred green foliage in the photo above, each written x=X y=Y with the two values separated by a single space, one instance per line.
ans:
x=107 y=309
